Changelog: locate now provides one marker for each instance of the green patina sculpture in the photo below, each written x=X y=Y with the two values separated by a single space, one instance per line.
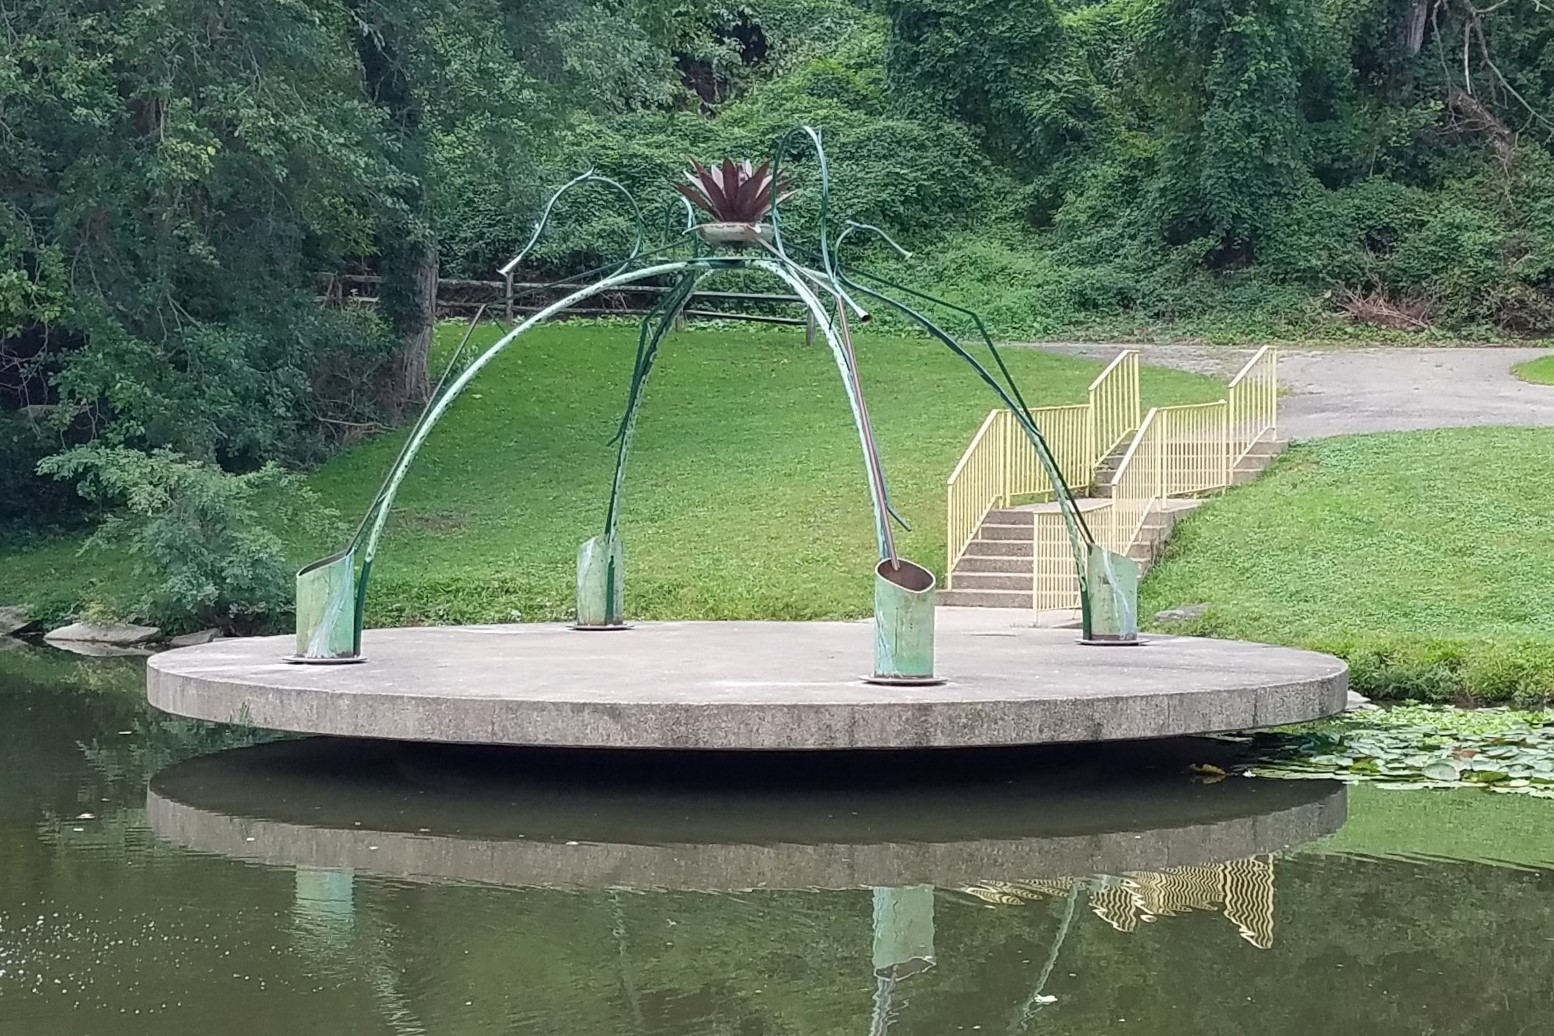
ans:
x=745 y=233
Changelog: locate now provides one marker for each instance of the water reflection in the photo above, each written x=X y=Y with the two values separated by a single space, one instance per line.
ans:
x=571 y=820
x=352 y=889
x=1132 y=842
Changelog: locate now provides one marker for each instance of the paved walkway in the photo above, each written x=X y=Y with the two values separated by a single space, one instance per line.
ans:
x=1344 y=391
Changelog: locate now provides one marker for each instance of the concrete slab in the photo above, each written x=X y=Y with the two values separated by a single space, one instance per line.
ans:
x=517 y=818
x=749 y=686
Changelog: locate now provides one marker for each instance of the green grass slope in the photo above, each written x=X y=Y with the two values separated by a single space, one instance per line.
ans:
x=1539 y=371
x=745 y=495
x=1425 y=558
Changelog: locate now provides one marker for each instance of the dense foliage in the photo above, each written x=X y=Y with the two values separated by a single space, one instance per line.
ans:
x=175 y=176
x=201 y=552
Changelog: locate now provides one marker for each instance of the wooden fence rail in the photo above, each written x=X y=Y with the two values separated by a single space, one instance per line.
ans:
x=512 y=297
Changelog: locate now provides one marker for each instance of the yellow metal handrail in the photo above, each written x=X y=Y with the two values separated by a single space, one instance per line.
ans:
x=1114 y=406
x=1195 y=446
x=1254 y=404
x=1176 y=451
x=1138 y=487
x=975 y=487
x=1065 y=429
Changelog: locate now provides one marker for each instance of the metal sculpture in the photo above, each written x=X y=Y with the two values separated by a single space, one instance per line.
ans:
x=745 y=232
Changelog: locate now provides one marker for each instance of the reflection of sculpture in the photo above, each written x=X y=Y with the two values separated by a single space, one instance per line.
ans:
x=746 y=233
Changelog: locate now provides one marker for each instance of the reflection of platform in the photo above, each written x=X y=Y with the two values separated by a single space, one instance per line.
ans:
x=571 y=820
x=749 y=685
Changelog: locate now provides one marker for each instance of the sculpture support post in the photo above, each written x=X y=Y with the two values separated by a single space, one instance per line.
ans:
x=1112 y=589
x=903 y=590
x=601 y=579
x=601 y=569
x=326 y=610
x=903 y=623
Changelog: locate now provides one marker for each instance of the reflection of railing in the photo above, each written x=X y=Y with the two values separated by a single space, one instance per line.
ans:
x=1241 y=890
x=1254 y=403
x=1114 y=405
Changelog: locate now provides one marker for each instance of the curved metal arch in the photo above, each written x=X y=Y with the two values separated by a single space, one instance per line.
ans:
x=777 y=247
x=544 y=220
x=476 y=365
x=650 y=336
x=351 y=589
x=850 y=382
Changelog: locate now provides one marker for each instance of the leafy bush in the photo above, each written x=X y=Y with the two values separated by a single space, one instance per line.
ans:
x=203 y=541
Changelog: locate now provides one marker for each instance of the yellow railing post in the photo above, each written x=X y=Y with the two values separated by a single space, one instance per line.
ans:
x=1006 y=429
x=1254 y=404
x=1114 y=406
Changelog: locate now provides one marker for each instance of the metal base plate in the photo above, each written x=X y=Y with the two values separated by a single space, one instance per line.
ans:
x=600 y=629
x=905 y=681
x=302 y=660
x=1108 y=642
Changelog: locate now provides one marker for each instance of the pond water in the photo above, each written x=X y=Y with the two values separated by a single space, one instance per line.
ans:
x=161 y=877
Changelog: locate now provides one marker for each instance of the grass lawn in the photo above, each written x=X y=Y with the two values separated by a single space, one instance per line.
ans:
x=745 y=495
x=1425 y=558
x=1539 y=371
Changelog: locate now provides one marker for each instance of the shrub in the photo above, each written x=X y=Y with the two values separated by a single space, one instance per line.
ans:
x=202 y=541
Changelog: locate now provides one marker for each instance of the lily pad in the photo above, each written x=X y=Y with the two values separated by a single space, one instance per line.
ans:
x=1440 y=771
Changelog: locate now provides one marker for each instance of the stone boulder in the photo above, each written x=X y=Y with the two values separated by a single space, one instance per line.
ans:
x=92 y=650
x=15 y=619
x=111 y=634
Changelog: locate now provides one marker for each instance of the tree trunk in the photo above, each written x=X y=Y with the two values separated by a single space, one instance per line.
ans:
x=410 y=382
x=1412 y=29
x=407 y=246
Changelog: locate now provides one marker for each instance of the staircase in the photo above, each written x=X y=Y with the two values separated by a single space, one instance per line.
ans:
x=1020 y=556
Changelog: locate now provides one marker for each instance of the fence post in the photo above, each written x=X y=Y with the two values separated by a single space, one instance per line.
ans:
x=507 y=295
x=1137 y=413
x=1273 y=394
x=1005 y=449
x=1224 y=438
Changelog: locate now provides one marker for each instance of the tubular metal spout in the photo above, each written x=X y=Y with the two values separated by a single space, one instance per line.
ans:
x=326 y=611
x=1112 y=587
x=601 y=576
x=903 y=623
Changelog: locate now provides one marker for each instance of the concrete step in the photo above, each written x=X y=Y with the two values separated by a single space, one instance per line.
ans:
x=1021 y=548
x=994 y=581
x=1256 y=461
x=993 y=563
x=1000 y=531
x=985 y=598
x=1011 y=516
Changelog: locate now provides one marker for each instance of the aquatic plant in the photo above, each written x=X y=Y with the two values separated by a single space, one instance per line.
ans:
x=1417 y=747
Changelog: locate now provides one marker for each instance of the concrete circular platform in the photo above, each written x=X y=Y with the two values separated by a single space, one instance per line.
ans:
x=749 y=685
x=509 y=817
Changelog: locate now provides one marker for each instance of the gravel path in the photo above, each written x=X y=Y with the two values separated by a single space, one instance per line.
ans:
x=1344 y=391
